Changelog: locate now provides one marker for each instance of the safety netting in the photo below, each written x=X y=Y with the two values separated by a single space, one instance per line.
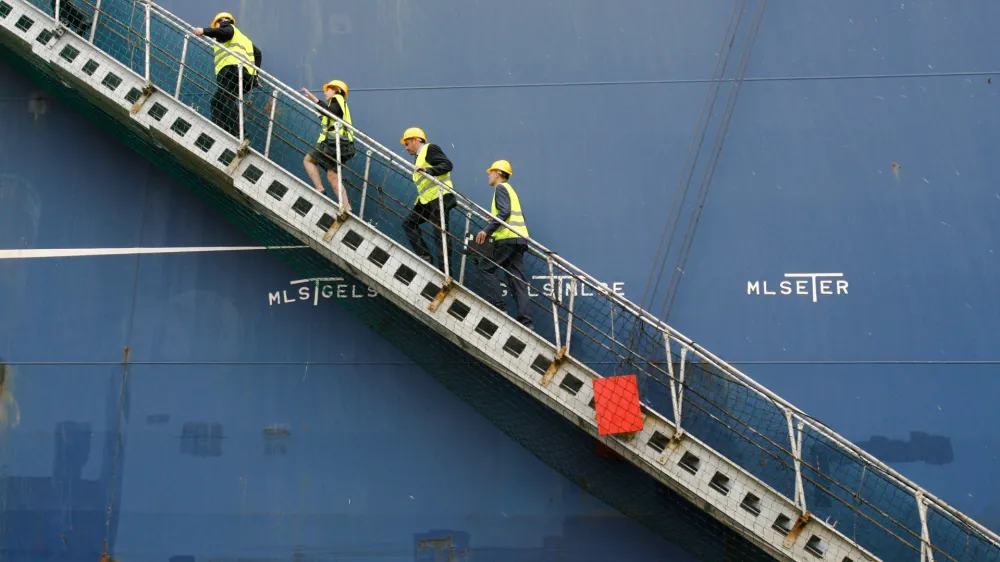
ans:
x=778 y=444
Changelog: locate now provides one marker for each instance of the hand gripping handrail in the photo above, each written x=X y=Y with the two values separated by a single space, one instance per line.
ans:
x=465 y=203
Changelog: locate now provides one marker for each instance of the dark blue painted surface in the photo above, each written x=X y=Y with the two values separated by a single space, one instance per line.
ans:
x=281 y=428
x=805 y=184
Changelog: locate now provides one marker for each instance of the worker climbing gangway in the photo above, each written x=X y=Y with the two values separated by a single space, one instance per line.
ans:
x=686 y=419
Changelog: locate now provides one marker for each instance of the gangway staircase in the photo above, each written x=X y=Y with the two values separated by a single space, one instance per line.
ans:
x=759 y=478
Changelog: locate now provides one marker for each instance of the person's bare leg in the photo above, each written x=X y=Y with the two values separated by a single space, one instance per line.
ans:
x=313 y=170
x=342 y=198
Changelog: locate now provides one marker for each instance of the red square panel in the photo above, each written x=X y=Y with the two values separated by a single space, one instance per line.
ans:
x=616 y=400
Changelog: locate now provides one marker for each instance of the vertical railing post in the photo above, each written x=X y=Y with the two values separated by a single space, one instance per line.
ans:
x=93 y=24
x=180 y=73
x=796 y=443
x=364 y=186
x=569 y=319
x=611 y=314
x=148 y=38
x=555 y=307
x=676 y=385
x=270 y=123
x=926 y=552
x=444 y=232
x=341 y=195
x=239 y=74
x=798 y=474
x=465 y=243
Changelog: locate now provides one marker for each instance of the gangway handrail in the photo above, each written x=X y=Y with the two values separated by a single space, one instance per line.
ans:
x=646 y=317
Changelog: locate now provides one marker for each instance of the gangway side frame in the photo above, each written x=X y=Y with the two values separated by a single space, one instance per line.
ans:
x=245 y=172
x=248 y=179
x=246 y=175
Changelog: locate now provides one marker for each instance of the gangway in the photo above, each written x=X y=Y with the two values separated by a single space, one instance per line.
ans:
x=790 y=487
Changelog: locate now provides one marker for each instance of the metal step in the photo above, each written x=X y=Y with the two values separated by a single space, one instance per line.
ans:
x=782 y=526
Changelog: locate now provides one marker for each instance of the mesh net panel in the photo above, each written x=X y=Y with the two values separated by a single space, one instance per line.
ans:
x=609 y=335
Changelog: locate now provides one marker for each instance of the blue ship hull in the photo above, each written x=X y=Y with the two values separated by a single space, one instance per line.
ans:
x=191 y=398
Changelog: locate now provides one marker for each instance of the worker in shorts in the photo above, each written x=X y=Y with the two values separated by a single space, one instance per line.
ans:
x=324 y=155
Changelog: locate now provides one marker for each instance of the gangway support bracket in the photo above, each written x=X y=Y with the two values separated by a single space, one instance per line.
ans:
x=439 y=298
x=676 y=439
x=673 y=444
x=800 y=524
x=57 y=32
x=148 y=90
x=338 y=221
x=554 y=366
x=241 y=153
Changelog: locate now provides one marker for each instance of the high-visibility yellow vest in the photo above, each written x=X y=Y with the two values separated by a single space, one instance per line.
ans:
x=427 y=190
x=515 y=220
x=329 y=124
x=239 y=44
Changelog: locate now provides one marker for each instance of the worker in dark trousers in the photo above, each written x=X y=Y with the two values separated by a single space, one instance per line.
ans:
x=510 y=244
x=430 y=160
x=225 y=101
x=325 y=154
x=72 y=17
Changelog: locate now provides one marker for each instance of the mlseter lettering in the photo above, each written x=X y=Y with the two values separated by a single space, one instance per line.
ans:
x=810 y=285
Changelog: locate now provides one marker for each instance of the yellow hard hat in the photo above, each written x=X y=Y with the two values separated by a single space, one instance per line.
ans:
x=221 y=15
x=338 y=83
x=413 y=132
x=501 y=165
